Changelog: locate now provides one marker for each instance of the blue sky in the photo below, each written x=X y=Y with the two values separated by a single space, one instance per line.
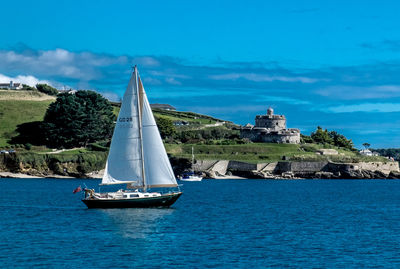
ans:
x=330 y=63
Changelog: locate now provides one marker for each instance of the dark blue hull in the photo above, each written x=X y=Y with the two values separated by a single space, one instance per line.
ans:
x=165 y=200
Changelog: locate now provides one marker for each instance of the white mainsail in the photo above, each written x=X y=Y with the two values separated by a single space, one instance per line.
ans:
x=158 y=169
x=136 y=135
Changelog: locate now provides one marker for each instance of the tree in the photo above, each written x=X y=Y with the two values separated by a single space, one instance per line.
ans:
x=165 y=126
x=366 y=145
x=321 y=136
x=306 y=139
x=340 y=140
x=78 y=119
x=44 y=88
x=27 y=88
x=332 y=138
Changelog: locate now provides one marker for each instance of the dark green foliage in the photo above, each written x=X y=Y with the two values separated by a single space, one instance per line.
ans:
x=321 y=136
x=366 y=145
x=341 y=141
x=27 y=88
x=62 y=164
x=30 y=132
x=44 y=88
x=28 y=146
x=215 y=133
x=392 y=153
x=75 y=120
x=305 y=139
x=165 y=127
x=97 y=147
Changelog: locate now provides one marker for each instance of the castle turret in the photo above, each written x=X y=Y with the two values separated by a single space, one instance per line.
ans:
x=270 y=128
x=271 y=121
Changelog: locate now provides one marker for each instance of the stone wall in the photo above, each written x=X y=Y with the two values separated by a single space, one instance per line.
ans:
x=203 y=165
x=302 y=166
x=287 y=136
x=241 y=166
x=300 y=169
x=272 y=122
x=385 y=168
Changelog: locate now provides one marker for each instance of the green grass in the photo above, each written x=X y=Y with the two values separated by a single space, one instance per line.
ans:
x=254 y=152
x=24 y=95
x=264 y=152
x=185 y=116
x=15 y=112
x=190 y=117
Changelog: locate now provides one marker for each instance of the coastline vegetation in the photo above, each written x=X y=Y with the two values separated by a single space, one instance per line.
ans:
x=69 y=122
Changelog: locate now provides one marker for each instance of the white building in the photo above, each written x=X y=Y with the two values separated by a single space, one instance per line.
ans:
x=367 y=152
x=11 y=86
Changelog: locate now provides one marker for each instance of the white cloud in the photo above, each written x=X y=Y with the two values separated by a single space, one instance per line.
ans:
x=262 y=78
x=147 y=61
x=112 y=96
x=357 y=92
x=28 y=80
x=366 y=107
x=172 y=81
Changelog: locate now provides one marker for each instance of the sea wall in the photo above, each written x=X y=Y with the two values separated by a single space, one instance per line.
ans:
x=301 y=169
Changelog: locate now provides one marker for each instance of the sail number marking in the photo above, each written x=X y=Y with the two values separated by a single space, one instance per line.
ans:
x=125 y=119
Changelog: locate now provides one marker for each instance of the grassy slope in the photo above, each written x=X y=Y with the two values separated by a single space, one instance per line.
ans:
x=24 y=95
x=263 y=152
x=15 y=112
x=185 y=116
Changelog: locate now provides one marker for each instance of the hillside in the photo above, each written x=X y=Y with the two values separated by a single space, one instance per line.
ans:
x=181 y=117
x=8 y=95
x=14 y=112
x=18 y=107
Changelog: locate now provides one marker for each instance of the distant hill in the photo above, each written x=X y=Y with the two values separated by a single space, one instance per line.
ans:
x=24 y=95
x=163 y=106
x=19 y=106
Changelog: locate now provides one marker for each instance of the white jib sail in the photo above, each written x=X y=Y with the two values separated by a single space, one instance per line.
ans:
x=158 y=169
x=124 y=164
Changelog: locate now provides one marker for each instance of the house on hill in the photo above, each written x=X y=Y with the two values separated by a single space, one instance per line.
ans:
x=163 y=106
x=11 y=86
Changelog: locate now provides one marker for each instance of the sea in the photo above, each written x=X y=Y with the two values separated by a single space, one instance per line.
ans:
x=214 y=224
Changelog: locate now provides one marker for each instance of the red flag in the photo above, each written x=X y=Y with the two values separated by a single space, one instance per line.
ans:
x=77 y=190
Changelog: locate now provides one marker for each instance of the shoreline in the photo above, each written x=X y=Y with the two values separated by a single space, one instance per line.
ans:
x=26 y=176
x=97 y=176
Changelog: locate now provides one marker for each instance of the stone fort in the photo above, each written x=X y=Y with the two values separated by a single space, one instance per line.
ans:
x=270 y=128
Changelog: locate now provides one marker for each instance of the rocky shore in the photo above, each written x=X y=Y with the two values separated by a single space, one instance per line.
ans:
x=224 y=169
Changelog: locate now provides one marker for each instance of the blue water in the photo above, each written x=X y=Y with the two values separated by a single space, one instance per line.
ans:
x=229 y=223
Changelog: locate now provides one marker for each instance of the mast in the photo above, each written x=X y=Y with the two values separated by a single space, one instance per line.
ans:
x=192 y=160
x=139 y=110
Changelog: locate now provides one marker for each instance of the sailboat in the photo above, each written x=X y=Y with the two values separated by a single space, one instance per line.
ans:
x=137 y=158
x=191 y=176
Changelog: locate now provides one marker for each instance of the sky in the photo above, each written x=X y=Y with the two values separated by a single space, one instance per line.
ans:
x=334 y=64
